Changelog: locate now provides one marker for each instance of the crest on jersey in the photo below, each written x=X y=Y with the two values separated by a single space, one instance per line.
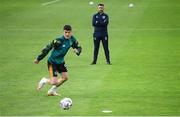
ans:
x=64 y=45
x=96 y=16
x=103 y=16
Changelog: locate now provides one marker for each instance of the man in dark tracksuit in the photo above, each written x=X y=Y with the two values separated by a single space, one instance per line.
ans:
x=100 y=22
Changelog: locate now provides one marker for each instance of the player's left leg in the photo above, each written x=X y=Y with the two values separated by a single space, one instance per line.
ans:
x=52 y=90
x=64 y=78
x=61 y=68
x=64 y=74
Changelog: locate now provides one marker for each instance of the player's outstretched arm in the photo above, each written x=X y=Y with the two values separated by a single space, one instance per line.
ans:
x=55 y=43
x=44 y=52
x=36 y=61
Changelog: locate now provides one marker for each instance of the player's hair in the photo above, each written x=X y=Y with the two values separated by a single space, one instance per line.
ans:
x=100 y=4
x=67 y=27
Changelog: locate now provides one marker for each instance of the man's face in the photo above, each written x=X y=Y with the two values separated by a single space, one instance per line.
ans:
x=101 y=9
x=67 y=34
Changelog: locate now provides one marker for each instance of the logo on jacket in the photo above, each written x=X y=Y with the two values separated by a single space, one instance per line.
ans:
x=103 y=17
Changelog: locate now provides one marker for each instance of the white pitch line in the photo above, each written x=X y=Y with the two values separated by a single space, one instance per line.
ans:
x=107 y=111
x=51 y=2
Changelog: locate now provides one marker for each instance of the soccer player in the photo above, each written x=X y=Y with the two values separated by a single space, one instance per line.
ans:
x=100 y=22
x=56 y=63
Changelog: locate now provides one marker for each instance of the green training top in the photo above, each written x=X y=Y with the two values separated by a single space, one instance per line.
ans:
x=60 y=48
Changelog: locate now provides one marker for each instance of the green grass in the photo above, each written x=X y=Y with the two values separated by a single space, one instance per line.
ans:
x=144 y=49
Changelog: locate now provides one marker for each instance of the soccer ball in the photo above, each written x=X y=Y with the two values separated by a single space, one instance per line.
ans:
x=66 y=103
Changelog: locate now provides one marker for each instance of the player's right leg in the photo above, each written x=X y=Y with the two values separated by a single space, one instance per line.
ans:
x=52 y=90
x=42 y=82
x=53 y=79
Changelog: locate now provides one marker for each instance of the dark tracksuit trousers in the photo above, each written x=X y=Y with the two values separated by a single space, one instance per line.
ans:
x=105 y=46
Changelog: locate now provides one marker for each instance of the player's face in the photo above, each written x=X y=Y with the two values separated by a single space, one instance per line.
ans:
x=101 y=9
x=67 y=34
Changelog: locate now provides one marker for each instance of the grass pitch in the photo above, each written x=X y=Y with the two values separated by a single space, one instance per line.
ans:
x=144 y=48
